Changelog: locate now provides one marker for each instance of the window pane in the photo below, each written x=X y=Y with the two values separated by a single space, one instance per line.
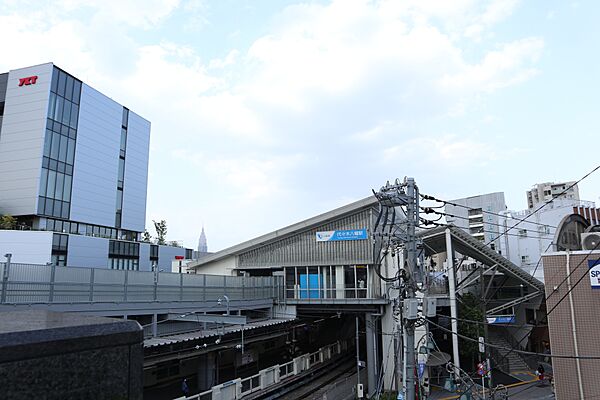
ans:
x=58 y=109
x=119 y=199
x=53 y=165
x=57 y=212
x=69 y=88
x=67 y=188
x=125 y=117
x=76 y=91
x=74 y=114
x=51 y=184
x=51 y=105
x=43 y=182
x=121 y=169
x=47 y=142
x=70 y=151
x=55 y=145
x=62 y=167
x=62 y=82
x=54 y=80
x=62 y=150
x=65 y=210
x=123 y=138
x=41 y=205
x=66 y=117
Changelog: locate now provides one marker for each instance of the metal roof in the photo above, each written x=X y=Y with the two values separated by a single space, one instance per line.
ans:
x=288 y=230
x=201 y=334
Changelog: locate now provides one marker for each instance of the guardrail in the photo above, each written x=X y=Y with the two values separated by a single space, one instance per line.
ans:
x=238 y=388
x=49 y=284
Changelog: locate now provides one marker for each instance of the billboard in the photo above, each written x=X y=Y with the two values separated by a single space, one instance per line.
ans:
x=334 y=236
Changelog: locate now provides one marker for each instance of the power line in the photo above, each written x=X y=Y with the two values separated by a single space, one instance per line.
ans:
x=529 y=353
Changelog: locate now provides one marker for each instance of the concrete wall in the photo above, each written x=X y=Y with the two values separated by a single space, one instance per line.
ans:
x=136 y=173
x=27 y=247
x=22 y=139
x=87 y=251
x=96 y=159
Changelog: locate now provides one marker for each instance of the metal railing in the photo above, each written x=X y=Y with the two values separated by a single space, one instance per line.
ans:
x=32 y=283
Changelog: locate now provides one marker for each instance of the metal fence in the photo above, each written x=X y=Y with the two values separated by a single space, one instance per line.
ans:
x=31 y=283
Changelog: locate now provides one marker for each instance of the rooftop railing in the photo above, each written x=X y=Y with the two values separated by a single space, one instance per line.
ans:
x=32 y=283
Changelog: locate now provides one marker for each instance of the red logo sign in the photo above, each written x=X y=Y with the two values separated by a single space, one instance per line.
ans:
x=30 y=80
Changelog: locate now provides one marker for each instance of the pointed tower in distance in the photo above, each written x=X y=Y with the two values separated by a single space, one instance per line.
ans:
x=202 y=244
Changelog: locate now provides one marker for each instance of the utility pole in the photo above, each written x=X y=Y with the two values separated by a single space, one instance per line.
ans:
x=392 y=196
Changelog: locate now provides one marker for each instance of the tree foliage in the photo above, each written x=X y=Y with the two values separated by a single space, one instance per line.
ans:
x=161 y=231
x=8 y=222
x=146 y=237
x=469 y=309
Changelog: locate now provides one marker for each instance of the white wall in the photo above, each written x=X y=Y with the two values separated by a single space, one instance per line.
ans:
x=22 y=140
x=27 y=247
x=96 y=167
x=87 y=251
x=225 y=266
x=136 y=173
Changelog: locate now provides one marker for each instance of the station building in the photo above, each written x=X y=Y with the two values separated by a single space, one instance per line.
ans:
x=74 y=174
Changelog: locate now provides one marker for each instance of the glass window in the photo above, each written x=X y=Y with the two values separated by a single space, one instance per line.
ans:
x=54 y=80
x=69 y=88
x=72 y=133
x=70 y=157
x=51 y=105
x=123 y=138
x=51 y=183
x=58 y=190
x=69 y=170
x=53 y=165
x=46 y=162
x=61 y=167
x=64 y=130
x=41 y=205
x=47 y=142
x=65 y=210
x=125 y=117
x=121 y=169
x=55 y=146
x=58 y=110
x=119 y=199
x=76 y=91
x=66 y=117
x=43 y=181
x=67 y=188
x=57 y=211
x=62 y=150
x=62 y=82
x=74 y=115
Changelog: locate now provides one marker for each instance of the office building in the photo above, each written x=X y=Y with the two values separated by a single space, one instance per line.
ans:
x=542 y=192
x=73 y=162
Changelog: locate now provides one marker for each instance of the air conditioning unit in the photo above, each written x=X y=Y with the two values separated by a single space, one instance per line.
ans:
x=590 y=241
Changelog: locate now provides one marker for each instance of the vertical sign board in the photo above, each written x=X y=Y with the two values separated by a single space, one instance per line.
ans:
x=594 y=266
x=334 y=236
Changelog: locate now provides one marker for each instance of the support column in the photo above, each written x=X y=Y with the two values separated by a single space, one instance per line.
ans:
x=206 y=372
x=452 y=294
x=339 y=282
x=372 y=353
x=154 y=325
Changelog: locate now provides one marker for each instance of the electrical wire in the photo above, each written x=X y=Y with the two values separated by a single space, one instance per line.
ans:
x=530 y=353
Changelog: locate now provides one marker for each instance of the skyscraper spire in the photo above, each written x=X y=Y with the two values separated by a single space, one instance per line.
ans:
x=202 y=244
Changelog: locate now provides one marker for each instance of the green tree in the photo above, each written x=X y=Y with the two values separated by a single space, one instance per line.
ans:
x=161 y=230
x=469 y=309
x=8 y=222
x=146 y=237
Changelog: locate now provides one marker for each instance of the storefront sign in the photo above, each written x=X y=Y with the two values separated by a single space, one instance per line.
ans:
x=594 y=266
x=501 y=319
x=30 y=80
x=333 y=236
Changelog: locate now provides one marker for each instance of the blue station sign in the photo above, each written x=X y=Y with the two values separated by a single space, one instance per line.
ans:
x=594 y=266
x=335 y=236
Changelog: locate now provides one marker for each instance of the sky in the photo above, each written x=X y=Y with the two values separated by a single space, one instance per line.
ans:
x=265 y=113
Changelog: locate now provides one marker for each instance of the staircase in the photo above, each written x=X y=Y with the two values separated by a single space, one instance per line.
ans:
x=512 y=360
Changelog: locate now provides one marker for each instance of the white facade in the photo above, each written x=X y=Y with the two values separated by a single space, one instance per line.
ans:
x=22 y=139
x=525 y=244
x=26 y=247
x=542 y=192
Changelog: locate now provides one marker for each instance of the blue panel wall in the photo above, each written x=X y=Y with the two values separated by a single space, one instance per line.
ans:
x=136 y=173
x=96 y=159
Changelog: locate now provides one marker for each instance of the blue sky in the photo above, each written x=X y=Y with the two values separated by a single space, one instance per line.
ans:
x=268 y=112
